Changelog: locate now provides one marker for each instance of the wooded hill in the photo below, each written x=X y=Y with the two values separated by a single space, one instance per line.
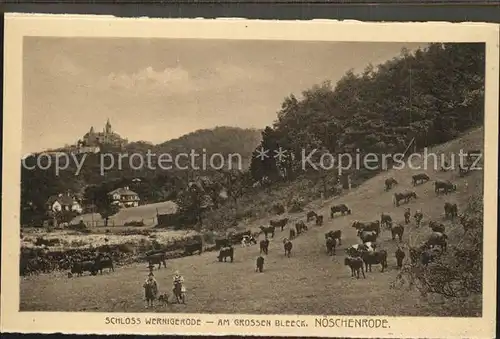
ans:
x=431 y=95
x=156 y=185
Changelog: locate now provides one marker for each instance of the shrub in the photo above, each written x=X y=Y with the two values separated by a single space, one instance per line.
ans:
x=278 y=208
x=296 y=205
x=126 y=248
x=81 y=227
x=46 y=242
x=134 y=223
x=456 y=273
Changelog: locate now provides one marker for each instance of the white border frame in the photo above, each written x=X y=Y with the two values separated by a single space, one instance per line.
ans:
x=19 y=25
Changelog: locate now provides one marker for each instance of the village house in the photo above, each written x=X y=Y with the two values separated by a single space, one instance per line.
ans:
x=124 y=197
x=64 y=202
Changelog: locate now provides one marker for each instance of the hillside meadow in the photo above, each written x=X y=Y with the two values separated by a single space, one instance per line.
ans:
x=309 y=282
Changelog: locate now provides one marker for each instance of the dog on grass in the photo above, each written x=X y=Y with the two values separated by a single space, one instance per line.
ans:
x=163 y=299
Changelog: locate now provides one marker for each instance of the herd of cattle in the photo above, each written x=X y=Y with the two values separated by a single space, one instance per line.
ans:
x=76 y=260
x=359 y=257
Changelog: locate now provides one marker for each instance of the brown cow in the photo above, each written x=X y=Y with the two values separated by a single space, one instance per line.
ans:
x=356 y=265
x=419 y=178
x=311 y=215
x=337 y=235
x=445 y=186
x=450 y=210
x=279 y=223
x=398 y=231
x=389 y=183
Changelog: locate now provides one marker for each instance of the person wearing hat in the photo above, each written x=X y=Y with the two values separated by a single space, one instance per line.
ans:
x=150 y=289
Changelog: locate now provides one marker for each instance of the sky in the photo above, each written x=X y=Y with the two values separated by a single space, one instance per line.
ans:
x=159 y=89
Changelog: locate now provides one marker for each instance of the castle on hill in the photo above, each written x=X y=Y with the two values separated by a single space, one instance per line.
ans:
x=106 y=137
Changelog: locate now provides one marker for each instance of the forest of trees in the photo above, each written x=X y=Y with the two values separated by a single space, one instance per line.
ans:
x=432 y=95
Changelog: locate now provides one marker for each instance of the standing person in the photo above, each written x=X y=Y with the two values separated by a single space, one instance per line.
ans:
x=150 y=289
x=178 y=279
x=400 y=255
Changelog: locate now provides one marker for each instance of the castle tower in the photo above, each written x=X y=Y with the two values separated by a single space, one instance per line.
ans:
x=91 y=130
x=107 y=129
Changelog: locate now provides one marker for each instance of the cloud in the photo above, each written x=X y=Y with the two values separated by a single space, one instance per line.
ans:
x=149 y=79
x=178 y=80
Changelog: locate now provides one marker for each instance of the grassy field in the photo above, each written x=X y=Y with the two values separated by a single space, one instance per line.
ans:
x=309 y=282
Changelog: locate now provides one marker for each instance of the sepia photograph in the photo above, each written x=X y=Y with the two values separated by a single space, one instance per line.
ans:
x=251 y=176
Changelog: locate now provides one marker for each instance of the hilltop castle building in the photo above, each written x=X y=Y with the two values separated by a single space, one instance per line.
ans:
x=106 y=137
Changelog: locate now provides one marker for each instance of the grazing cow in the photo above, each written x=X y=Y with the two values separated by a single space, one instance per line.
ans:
x=300 y=226
x=319 y=220
x=398 y=231
x=238 y=237
x=331 y=244
x=219 y=243
x=445 y=186
x=357 y=249
x=103 y=262
x=189 y=249
x=342 y=208
x=259 y=264
x=407 y=216
x=419 y=178
x=248 y=240
x=264 y=246
x=389 y=183
x=356 y=265
x=278 y=223
x=311 y=215
x=83 y=266
x=418 y=218
x=438 y=239
x=377 y=257
x=157 y=258
x=386 y=220
x=287 y=244
x=337 y=235
x=406 y=196
x=436 y=227
x=292 y=233
x=367 y=236
x=367 y=226
x=367 y=246
x=226 y=252
x=400 y=255
x=268 y=230
x=450 y=210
